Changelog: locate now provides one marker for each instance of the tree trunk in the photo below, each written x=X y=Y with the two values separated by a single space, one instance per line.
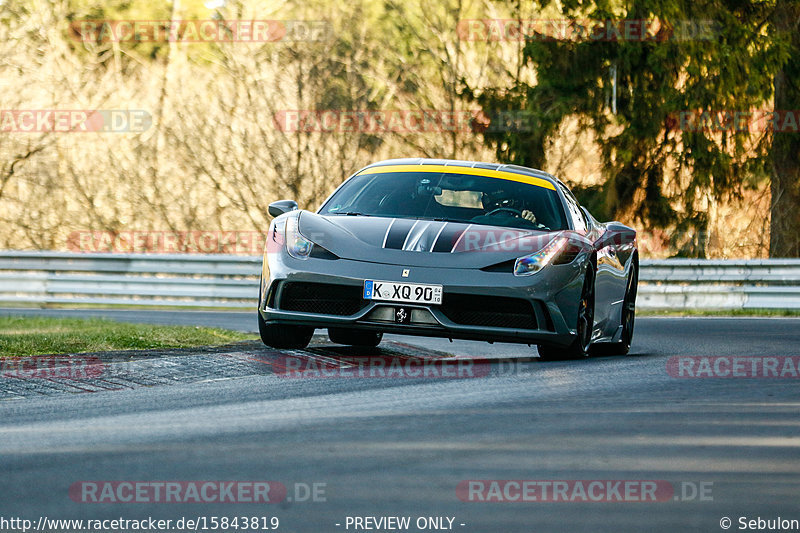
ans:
x=785 y=153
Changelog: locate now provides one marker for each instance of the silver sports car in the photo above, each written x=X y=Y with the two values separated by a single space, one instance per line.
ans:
x=454 y=249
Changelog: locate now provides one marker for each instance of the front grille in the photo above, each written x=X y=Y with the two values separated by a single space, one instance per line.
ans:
x=321 y=298
x=489 y=311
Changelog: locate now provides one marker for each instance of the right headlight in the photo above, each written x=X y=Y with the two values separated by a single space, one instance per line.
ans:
x=296 y=245
x=533 y=263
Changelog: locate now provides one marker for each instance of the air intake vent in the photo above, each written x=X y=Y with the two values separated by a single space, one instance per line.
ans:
x=489 y=311
x=321 y=298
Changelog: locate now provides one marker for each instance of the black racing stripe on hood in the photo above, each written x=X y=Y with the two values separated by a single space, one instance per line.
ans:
x=397 y=233
x=448 y=237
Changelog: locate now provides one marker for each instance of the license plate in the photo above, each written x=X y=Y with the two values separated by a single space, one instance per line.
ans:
x=390 y=291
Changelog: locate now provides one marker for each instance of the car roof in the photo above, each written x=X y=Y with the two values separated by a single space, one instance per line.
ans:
x=515 y=169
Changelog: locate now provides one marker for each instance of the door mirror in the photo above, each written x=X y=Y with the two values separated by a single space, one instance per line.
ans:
x=616 y=234
x=280 y=207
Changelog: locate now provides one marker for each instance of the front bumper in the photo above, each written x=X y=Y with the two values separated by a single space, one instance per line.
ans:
x=552 y=295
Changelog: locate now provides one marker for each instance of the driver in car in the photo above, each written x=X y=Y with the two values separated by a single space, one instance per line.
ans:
x=503 y=209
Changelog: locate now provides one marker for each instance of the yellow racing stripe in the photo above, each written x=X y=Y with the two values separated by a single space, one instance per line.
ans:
x=444 y=169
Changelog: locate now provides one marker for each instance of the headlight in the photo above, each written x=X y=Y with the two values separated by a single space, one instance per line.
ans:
x=298 y=246
x=531 y=264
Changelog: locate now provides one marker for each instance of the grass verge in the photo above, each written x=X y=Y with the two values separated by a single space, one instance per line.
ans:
x=36 y=305
x=722 y=313
x=39 y=336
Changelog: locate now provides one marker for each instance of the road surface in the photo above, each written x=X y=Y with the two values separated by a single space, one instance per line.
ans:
x=400 y=446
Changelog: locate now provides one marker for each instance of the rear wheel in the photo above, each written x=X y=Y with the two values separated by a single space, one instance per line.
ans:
x=580 y=346
x=354 y=337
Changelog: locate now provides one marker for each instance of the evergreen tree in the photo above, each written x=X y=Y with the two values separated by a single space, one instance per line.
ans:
x=656 y=95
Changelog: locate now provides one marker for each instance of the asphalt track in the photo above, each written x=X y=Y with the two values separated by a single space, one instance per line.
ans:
x=401 y=446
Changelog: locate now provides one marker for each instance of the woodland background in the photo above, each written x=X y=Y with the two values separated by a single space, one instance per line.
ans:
x=603 y=114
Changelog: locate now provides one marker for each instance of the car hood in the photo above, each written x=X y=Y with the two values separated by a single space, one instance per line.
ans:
x=413 y=242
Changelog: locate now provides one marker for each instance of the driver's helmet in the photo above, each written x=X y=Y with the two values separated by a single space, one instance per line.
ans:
x=500 y=198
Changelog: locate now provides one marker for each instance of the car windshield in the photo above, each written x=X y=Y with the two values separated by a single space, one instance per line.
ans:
x=449 y=197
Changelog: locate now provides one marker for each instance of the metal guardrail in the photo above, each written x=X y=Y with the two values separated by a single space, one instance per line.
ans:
x=232 y=281
x=129 y=279
x=719 y=284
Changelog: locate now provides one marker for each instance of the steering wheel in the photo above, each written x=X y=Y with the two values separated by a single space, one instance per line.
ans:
x=513 y=211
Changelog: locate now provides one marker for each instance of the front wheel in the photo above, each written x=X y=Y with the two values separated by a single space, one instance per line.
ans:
x=580 y=346
x=354 y=337
x=284 y=336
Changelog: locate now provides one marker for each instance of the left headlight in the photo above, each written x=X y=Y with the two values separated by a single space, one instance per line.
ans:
x=533 y=263
x=296 y=245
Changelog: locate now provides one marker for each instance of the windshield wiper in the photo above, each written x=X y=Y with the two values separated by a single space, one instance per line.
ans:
x=352 y=214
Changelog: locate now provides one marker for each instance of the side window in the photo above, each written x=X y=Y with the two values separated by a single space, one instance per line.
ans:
x=578 y=218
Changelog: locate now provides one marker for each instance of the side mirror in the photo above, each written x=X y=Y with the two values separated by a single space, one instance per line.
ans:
x=280 y=207
x=616 y=234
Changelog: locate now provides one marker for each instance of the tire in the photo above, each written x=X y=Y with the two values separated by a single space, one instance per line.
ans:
x=627 y=319
x=353 y=337
x=283 y=335
x=581 y=346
